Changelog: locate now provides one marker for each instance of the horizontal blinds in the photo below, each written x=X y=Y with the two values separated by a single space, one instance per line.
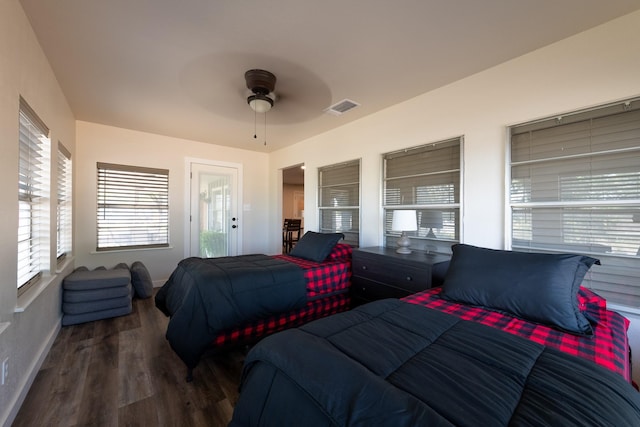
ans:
x=64 y=210
x=33 y=194
x=425 y=178
x=133 y=207
x=424 y=175
x=575 y=187
x=339 y=200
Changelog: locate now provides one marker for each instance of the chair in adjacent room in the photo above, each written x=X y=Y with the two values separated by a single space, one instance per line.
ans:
x=290 y=233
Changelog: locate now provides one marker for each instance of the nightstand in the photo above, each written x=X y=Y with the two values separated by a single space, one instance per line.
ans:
x=379 y=273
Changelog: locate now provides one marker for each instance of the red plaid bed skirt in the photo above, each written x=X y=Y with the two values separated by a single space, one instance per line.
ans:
x=313 y=310
x=327 y=293
x=608 y=347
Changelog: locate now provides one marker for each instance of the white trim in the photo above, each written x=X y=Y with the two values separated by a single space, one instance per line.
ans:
x=187 y=198
x=623 y=308
x=126 y=249
x=23 y=388
x=25 y=300
x=68 y=261
x=508 y=212
x=461 y=195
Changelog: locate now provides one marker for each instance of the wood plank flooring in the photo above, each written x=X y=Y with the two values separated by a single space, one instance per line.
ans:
x=122 y=372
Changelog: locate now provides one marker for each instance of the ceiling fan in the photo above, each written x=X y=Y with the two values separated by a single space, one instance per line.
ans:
x=261 y=83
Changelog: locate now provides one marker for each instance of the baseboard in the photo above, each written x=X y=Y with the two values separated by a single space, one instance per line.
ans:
x=159 y=283
x=12 y=411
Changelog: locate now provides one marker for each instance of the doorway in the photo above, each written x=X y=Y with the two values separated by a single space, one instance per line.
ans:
x=293 y=194
x=213 y=207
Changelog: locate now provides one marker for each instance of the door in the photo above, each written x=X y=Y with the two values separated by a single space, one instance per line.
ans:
x=214 y=211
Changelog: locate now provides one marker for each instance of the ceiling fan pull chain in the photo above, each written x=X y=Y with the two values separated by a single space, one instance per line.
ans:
x=255 y=119
x=265 y=128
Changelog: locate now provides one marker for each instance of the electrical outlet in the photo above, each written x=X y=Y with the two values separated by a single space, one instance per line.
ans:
x=5 y=370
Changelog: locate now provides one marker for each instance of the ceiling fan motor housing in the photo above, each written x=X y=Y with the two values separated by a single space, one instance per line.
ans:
x=260 y=82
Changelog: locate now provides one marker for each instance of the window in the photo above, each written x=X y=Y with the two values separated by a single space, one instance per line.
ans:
x=427 y=179
x=133 y=207
x=33 y=198
x=64 y=224
x=339 y=200
x=575 y=187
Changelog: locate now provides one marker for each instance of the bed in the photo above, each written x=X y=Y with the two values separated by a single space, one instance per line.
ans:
x=509 y=339
x=217 y=303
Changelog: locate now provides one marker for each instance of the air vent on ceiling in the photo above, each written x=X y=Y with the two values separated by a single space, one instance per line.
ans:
x=342 y=107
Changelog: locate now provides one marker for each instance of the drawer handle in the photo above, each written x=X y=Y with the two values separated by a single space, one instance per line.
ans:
x=364 y=267
x=409 y=278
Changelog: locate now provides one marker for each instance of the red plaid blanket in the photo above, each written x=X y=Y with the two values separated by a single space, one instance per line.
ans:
x=313 y=310
x=327 y=293
x=326 y=277
x=608 y=347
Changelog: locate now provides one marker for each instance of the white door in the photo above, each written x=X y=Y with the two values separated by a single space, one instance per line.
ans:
x=214 y=211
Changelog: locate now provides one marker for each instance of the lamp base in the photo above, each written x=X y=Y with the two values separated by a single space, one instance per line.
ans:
x=403 y=244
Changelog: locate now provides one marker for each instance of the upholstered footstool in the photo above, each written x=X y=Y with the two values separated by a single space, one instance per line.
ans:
x=98 y=294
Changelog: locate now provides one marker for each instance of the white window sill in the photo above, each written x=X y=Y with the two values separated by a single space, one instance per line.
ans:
x=164 y=248
x=36 y=289
x=33 y=293
x=63 y=266
x=623 y=309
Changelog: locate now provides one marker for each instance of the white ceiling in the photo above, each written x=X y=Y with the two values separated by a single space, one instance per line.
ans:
x=177 y=67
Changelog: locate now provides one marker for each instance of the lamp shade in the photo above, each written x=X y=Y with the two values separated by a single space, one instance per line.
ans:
x=431 y=219
x=404 y=220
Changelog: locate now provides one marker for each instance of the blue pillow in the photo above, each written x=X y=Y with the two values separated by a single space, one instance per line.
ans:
x=315 y=246
x=141 y=280
x=541 y=288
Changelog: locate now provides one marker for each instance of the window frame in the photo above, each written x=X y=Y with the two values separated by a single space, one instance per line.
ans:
x=353 y=211
x=34 y=187
x=441 y=211
x=599 y=142
x=64 y=205
x=138 y=194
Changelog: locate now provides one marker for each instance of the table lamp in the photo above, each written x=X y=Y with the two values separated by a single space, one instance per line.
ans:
x=404 y=220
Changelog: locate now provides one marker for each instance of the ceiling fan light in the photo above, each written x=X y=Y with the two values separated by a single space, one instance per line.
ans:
x=260 y=103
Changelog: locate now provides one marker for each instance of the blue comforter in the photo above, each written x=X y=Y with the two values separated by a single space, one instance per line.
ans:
x=391 y=363
x=205 y=296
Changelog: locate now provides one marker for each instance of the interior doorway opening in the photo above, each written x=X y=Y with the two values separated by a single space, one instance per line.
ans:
x=292 y=203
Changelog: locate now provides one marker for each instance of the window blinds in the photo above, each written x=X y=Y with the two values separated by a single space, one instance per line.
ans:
x=339 y=200
x=33 y=197
x=575 y=187
x=64 y=210
x=427 y=179
x=133 y=207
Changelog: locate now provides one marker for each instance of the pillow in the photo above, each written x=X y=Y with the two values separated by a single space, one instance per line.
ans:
x=141 y=280
x=541 y=288
x=315 y=246
x=121 y=266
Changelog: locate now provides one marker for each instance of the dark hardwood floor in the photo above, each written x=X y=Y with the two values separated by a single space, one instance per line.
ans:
x=122 y=372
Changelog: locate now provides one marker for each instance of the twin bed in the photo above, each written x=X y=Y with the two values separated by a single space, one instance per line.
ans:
x=509 y=339
x=253 y=295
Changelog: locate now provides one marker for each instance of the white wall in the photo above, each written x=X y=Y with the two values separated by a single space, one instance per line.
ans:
x=100 y=143
x=25 y=336
x=595 y=67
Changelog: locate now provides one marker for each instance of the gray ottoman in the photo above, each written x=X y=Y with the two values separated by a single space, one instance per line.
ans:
x=93 y=295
